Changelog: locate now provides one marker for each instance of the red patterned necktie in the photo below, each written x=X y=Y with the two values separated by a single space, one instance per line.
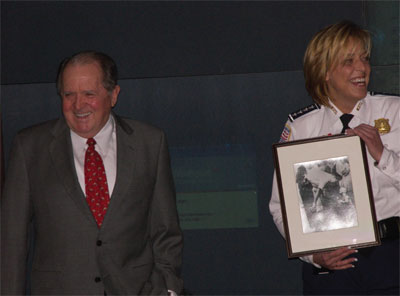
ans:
x=96 y=187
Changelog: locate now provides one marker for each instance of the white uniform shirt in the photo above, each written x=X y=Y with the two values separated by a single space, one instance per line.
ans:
x=385 y=177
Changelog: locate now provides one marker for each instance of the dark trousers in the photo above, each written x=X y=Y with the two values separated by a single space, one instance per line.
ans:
x=375 y=273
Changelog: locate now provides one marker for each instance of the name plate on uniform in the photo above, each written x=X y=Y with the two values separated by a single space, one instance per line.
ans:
x=325 y=194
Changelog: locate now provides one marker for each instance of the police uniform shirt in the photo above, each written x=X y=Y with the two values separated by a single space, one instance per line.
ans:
x=322 y=121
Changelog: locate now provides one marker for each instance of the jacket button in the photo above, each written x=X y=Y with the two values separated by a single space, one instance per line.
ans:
x=97 y=279
x=99 y=243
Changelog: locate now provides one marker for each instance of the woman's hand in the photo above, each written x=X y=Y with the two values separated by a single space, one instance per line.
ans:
x=334 y=260
x=371 y=137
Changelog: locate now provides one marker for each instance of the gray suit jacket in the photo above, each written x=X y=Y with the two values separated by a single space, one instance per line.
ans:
x=139 y=246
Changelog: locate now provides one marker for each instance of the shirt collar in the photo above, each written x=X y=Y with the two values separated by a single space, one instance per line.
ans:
x=103 y=138
x=338 y=113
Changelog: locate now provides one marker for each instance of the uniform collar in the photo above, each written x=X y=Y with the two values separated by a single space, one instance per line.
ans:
x=356 y=110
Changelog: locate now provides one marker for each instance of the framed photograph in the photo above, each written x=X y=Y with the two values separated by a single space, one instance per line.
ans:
x=325 y=194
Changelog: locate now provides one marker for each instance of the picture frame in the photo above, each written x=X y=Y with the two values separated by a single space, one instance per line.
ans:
x=325 y=194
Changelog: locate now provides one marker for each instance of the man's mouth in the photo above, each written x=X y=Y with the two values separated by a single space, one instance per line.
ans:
x=82 y=115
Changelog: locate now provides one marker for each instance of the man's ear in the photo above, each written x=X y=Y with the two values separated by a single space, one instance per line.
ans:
x=114 y=95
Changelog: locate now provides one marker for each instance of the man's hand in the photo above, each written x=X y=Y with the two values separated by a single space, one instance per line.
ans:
x=371 y=137
x=334 y=260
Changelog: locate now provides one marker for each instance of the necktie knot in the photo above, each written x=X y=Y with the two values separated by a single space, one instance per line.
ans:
x=345 y=119
x=91 y=142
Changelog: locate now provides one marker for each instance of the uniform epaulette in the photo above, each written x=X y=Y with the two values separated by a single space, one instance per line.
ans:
x=305 y=110
x=374 y=93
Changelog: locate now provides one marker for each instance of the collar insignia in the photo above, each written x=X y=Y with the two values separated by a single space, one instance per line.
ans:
x=332 y=108
x=382 y=125
x=359 y=105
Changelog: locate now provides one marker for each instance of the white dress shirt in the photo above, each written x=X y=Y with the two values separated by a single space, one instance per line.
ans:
x=106 y=146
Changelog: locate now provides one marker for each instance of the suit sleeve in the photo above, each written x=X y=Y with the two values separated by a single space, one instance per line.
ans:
x=16 y=214
x=166 y=235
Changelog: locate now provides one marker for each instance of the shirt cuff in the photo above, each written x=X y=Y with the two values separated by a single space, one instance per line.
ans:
x=309 y=259
x=382 y=164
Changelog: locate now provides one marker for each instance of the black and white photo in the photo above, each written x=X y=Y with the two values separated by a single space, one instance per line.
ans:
x=325 y=191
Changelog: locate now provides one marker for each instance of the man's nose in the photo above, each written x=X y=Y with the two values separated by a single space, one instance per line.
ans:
x=79 y=101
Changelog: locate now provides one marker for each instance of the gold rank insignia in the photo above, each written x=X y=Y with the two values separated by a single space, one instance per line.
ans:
x=382 y=125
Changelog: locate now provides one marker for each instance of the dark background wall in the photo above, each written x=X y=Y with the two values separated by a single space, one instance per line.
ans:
x=210 y=74
x=164 y=39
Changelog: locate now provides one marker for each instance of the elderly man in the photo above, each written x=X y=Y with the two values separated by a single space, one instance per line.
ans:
x=99 y=193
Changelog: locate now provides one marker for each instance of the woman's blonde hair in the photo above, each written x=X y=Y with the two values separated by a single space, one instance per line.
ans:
x=322 y=54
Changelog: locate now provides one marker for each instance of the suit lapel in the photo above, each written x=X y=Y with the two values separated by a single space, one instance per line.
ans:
x=62 y=156
x=125 y=166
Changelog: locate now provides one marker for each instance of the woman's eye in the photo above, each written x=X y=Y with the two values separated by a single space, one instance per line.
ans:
x=365 y=59
x=348 y=61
